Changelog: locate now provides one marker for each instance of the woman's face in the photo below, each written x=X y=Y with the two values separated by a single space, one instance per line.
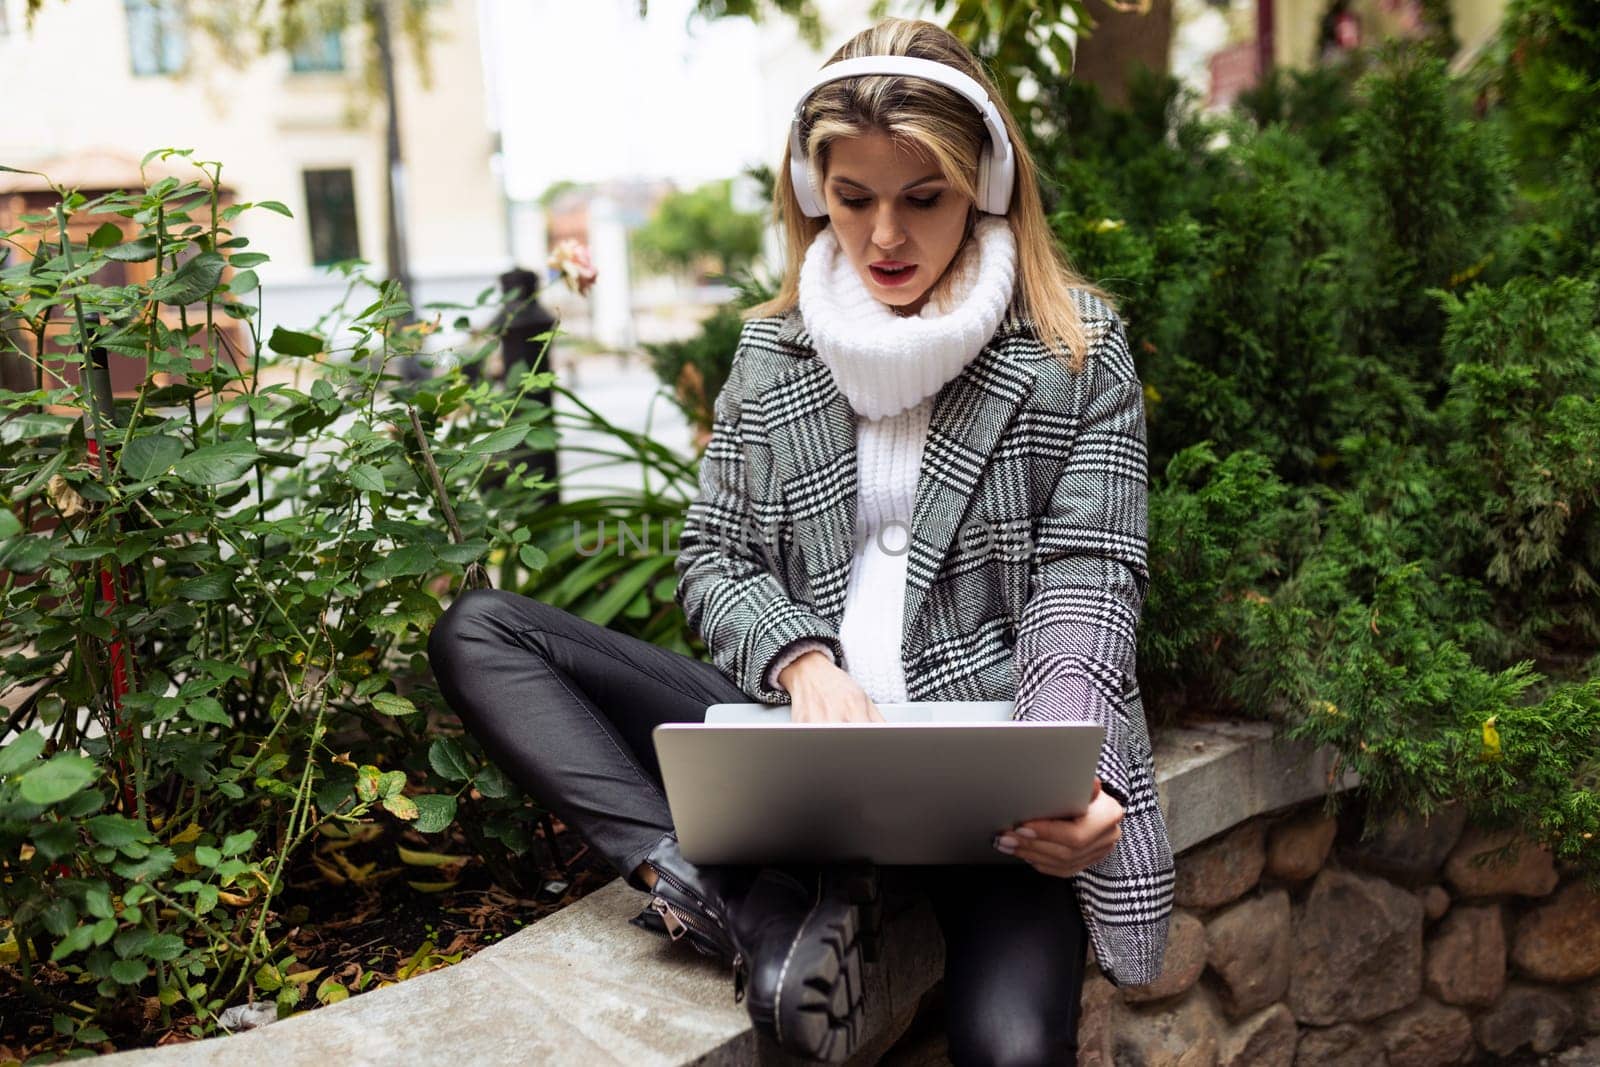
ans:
x=895 y=215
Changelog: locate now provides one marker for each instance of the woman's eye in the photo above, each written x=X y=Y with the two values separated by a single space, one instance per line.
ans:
x=923 y=202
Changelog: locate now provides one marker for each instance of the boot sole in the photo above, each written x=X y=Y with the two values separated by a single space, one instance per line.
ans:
x=818 y=1008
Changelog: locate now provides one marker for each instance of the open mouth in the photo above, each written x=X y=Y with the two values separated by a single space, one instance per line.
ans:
x=892 y=275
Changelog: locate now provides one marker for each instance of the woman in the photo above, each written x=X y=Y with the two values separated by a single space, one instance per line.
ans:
x=930 y=367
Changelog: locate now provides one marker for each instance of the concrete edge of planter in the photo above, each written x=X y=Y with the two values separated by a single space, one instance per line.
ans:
x=583 y=986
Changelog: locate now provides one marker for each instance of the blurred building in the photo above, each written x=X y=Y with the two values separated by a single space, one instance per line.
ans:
x=1221 y=47
x=97 y=84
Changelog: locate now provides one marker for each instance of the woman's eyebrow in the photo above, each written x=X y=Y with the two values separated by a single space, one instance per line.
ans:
x=908 y=185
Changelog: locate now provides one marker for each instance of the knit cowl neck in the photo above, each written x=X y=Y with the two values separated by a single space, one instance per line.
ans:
x=884 y=362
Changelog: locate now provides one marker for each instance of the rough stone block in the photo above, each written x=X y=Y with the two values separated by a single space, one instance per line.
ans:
x=1467 y=956
x=1248 y=947
x=1266 y=1039
x=1427 y=1034
x=1526 y=1015
x=1222 y=870
x=1435 y=901
x=1357 y=950
x=1489 y=863
x=1589 y=1007
x=1297 y=848
x=1345 y=1045
x=1559 y=941
x=1185 y=1034
x=1099 y=1002
x=1408 y=847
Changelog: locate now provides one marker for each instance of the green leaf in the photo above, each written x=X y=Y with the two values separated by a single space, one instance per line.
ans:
x=207 y=709
x=241 y=260
x=367 y=778
x=499 y=441
x=207 y=855
x=57 y=779
x=393 y=704
x=215 y=464
x=191 y=282
x=273 y=205
x=215 y=585
x=449 y=760
x=20 y=752
x=366 y=477
x=98 y=903
x=159 y=862
x=434 y=812
x=130 y=943
x=80 y=938
x=217 y=668
x=465 y=552
x=10 y=525
x=165 y=946
x=151 y=456
x=491 y=782
x=117 y=830
x=239 y=842
x=106 y=235
x=290 y=343
x=136 y=251
x=129 y=972
x=401 y=563
x=533 y=557
x=244 y=282
x=390 y=783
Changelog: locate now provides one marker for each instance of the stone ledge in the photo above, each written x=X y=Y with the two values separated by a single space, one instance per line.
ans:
x=583 y=986
x=1216 y=776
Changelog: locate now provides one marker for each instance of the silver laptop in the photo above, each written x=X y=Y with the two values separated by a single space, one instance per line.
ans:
x=933 y=784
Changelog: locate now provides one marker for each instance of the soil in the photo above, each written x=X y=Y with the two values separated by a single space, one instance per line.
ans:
x=353 y=924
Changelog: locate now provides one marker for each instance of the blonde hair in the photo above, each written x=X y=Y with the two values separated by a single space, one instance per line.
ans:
x=945 y=124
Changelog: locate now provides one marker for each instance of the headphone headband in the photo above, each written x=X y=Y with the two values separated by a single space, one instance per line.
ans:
x=996 y=164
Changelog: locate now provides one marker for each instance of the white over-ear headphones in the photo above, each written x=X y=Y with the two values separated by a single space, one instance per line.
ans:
x=996 y=164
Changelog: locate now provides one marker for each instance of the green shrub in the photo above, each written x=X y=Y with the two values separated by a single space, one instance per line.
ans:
x=278 y=553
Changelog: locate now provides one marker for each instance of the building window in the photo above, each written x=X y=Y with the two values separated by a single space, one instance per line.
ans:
x=319 y=52
x=156 y=39
x=331 y=213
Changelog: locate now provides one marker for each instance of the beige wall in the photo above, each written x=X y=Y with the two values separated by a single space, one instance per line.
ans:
x=267 y=124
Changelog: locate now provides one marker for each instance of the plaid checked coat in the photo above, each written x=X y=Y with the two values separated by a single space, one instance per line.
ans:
x=1026 y=572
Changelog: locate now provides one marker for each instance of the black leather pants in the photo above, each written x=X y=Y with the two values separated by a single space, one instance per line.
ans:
x=565 y=707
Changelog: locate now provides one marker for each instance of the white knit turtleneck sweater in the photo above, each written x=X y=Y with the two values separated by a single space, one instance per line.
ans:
x=890 y=368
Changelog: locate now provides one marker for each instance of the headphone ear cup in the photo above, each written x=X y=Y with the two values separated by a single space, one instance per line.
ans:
x=818 y=202
x=985 y=157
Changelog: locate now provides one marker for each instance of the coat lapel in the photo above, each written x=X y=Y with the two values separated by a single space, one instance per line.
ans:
x=817 y=471
x=969 y=415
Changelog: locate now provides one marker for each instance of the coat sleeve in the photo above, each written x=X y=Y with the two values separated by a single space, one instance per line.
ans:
x=727 y=589
x=1076 y=644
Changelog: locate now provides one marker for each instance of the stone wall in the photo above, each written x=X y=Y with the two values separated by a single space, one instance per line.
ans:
x=1294 y=942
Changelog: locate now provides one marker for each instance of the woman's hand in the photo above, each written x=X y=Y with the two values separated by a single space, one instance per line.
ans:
x=821 y=692
x=1063 y=847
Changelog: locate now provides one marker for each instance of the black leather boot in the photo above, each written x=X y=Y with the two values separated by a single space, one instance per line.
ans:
x=695 y=903
x=801 y=934
x=792 y=935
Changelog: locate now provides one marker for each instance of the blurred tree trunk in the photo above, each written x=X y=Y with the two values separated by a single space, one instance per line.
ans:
x=1118 y=41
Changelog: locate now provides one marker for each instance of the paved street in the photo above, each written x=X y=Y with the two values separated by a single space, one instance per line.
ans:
x=626 y=392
